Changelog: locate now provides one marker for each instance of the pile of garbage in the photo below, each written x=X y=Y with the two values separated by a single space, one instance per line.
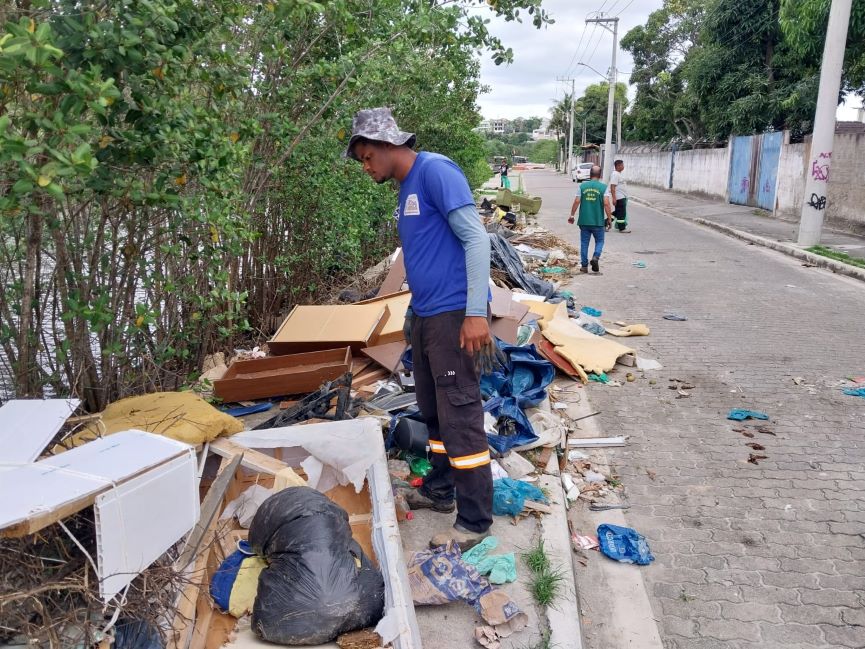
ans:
x=264 y=505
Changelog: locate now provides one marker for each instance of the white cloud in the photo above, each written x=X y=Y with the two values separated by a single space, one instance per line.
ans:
x=528 y=86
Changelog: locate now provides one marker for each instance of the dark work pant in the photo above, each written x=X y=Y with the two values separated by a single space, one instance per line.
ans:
x=449 y=397
x=620 y=214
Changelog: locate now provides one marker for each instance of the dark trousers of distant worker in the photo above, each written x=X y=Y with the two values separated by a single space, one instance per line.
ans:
x=620 y=214
x=449 y=397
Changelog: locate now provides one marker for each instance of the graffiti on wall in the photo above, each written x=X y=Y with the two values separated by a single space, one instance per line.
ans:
x=820 y=166
x=817 y=202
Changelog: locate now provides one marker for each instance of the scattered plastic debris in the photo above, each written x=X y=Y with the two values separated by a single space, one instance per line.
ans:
x=675 y=317
x=738 y=414
x=639 y=264
x=592 y=312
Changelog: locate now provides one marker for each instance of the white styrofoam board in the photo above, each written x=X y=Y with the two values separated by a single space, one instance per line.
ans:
x=88 y=469
x=137 y=521
x=597 y=442
x=27 y=425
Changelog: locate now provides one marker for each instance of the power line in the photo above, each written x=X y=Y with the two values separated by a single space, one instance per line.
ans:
x=622 y=10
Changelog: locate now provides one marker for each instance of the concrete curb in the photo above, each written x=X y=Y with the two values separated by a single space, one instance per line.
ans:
x=793 y=251
x=563 y=615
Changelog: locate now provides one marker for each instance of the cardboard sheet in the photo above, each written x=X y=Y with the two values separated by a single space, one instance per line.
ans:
x=592 y=353
x=313 y=327
x=389 y=355
x=127 y=538
x=61 y=485
x=395 y=279
x=397 y=304
x=28 y=425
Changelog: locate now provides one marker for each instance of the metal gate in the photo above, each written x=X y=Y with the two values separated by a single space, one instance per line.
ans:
x=754 y=169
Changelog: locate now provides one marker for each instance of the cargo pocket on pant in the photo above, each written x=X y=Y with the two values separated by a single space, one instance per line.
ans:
x=462 y=408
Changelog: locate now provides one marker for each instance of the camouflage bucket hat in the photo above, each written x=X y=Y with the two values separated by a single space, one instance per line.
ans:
x=379 y=125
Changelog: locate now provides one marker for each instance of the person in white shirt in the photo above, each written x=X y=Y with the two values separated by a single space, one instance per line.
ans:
x=619 y=196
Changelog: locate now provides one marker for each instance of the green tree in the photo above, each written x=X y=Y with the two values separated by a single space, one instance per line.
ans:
x=591 y=109
x=171 y=178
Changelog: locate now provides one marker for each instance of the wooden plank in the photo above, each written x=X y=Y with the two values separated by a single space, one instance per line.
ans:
x=276 y=376
x=183 y=625
x=252 y=459
x=212 y=503
x=533 y=506
x=597 y=442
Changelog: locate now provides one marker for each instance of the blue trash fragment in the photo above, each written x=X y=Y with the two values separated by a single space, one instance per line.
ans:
x=590 y=311
x=737 y=414
x=624 y=544
x=521 y=383
x=242 y=411
x=855 y=392
x=510 y=495
x=507 y=408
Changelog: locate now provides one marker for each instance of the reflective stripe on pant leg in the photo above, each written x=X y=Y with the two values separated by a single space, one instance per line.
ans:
x=436 y=446
x=470 y=461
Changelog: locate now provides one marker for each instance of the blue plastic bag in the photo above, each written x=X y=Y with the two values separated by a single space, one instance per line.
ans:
x=855 y=392
x=510 y=495
x=624 y=544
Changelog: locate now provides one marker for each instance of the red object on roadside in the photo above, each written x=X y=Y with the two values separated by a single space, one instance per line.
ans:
x=416 y=482
x=409 y=516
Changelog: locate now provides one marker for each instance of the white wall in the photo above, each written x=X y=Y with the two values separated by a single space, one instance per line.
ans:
x=651 y=168
x=791 y=181
x=847 y=182
x=702 y=171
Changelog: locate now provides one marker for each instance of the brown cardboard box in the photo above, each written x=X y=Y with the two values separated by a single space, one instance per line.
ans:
x=312 y=328
x=277 y=376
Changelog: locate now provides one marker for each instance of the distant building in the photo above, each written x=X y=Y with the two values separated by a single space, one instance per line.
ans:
x=543 y=132
x=486 y=126
x=501 y=126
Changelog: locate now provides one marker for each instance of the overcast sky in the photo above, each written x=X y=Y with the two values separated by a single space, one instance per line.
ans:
x=528 y=87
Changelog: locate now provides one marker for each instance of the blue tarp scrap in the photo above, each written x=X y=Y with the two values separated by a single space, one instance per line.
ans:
x=521 y=384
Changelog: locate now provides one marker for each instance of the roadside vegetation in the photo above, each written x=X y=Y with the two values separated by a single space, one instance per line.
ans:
x=171 y=178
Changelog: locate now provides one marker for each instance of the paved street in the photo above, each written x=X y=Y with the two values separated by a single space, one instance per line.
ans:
x=769 y=555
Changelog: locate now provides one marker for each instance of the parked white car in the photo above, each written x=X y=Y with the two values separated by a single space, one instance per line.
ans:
x=581 y=171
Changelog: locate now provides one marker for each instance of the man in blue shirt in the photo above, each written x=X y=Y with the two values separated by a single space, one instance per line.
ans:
x=447 y=258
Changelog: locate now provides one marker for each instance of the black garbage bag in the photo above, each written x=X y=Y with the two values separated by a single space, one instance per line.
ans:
x=505 y=257
x=318 y=583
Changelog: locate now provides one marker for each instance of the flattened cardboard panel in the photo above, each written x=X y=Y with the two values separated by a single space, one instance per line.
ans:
x=315 y=327
x=388 y=356
x=136 y=522
x=506 y=329
x=395 y=277
x=501 y=304
x=27 y=425
x=397 y=304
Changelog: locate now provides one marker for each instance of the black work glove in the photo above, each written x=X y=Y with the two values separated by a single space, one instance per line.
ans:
x=406 y=326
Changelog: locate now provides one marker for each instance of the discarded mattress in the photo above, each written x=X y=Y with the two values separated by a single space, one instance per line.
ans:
x=585 y=351
x=182 y=416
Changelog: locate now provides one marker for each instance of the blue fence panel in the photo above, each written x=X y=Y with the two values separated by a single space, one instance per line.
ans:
x=770 y=155
x=740 y=168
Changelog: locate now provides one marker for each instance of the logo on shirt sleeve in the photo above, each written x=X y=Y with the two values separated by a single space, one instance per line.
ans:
x=412 y=206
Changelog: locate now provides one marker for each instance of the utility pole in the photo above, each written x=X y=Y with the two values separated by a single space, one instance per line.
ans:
x=570 y=142
x=608 y=141
x=822 y=141
x=619 y=126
